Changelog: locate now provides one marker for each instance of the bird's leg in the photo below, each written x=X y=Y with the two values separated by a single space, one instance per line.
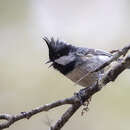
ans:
x=81 y=95
x=82 y=100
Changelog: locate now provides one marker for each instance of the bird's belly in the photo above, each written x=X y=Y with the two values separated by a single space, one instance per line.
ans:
x=87 y=81
x=89 y=65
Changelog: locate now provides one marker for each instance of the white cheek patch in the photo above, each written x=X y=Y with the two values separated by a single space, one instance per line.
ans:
x=64 y=60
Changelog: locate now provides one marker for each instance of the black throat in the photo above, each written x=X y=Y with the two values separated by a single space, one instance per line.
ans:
x=66 y=68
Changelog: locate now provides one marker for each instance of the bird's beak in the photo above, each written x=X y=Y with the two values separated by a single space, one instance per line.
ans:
x=47 y=62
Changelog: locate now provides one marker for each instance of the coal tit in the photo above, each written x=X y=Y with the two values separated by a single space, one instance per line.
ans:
x=75 y=62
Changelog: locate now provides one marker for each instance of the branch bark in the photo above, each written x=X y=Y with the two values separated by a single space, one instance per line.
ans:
x=74 y=101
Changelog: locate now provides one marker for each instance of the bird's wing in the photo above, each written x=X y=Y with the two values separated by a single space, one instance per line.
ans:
x=92 y=52
x=101 y=52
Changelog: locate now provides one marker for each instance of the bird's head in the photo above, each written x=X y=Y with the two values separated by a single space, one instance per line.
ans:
x=60 y=54
x=57 y=48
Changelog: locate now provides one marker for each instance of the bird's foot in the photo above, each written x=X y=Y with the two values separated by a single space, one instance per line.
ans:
x=81 y=96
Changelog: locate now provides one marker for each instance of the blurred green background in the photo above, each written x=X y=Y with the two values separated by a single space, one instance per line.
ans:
x=26 y=82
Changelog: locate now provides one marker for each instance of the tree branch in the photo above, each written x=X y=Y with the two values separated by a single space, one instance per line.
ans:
x=13 y=118
x=74 y=101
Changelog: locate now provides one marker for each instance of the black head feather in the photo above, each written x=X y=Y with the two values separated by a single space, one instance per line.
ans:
x=57 y=48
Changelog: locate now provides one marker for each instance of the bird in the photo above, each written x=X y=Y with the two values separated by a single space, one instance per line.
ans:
x=75 y=62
